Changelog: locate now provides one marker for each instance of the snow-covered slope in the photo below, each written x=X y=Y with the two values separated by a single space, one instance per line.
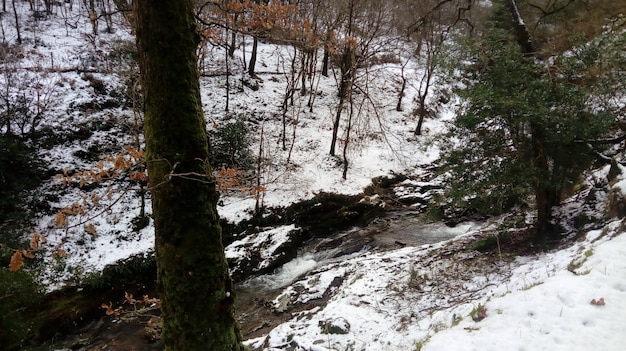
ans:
x=410 y=298
x=446 y=297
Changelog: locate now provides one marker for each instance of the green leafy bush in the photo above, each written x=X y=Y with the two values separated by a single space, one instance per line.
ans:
x=231 y=145
x=19 y=172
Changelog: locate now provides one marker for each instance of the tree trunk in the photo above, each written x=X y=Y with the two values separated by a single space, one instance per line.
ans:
x=348 y=65
x=346 y=162
x=325 y=60
x=333 y=141
x=546 y=199
x=519 y=27
x=233 y=38
x=402 y=88
x=93 y=17
x=17 y=24
x=227 y=107
x=195 y=287
x=547 y=191
x=421 y=114
x=252 y=65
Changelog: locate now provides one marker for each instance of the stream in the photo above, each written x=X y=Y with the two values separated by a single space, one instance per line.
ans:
x=254 y=312
x=396 y=230
x=403 y=228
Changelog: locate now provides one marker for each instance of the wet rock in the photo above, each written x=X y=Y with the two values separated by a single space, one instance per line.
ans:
x=282 y=303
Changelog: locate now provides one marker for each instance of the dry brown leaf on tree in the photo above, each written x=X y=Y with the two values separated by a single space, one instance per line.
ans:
x=60 y=219
x=129 y=298
x=35 y=240
x=17 y=261
x=109 y=309
x=27 y=254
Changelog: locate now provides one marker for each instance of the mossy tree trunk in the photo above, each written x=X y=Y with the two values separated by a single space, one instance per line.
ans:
x=195 y=286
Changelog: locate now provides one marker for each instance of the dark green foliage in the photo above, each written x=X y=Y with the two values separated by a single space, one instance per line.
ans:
x=18 y=168
x=19 y=297
x=230 y=145
x=138 y=269
x=19 y=172
x=522 y=128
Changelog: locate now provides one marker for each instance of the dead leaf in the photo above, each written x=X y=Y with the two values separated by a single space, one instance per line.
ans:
x=59 y=253
x=599 y=302
x=109 y=309
x=17 y=261
x=138 y=176
x=89 y=228
x=129 y=298
x=60 y=219
x=27 y=254
x=152 y=301
x=35 y=240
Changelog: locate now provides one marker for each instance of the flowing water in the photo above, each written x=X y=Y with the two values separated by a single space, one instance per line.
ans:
x=399 y=229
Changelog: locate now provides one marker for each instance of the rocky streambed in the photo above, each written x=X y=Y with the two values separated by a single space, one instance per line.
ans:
x=308 y=235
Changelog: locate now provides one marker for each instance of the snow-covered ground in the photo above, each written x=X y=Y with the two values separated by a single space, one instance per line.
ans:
x=436 y=297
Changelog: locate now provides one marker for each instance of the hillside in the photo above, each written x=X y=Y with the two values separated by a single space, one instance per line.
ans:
x=330 y=263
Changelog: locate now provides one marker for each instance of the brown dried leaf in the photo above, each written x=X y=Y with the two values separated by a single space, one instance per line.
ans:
x=598 y=302
x=129 y=298
x=17 y=261
x=109 y=309
x=27 y=254
x=35 y=240
x=60 y=219
x=152 y=301
x=139 y=176
x=70 y=211
x=59 y=253
x=89 y=228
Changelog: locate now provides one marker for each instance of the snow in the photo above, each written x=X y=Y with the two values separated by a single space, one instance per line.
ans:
x=531 y=303
x=553 y=309
x=405 y=299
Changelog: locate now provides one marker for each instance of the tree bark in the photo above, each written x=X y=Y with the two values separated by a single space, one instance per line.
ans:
x=421 y=114
x=233 y=38
x=519 y=28
x=195 y=286
x=325 y=60
x=17 y=24
x=547 y=194
x=348 y=65
x=252 y=65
